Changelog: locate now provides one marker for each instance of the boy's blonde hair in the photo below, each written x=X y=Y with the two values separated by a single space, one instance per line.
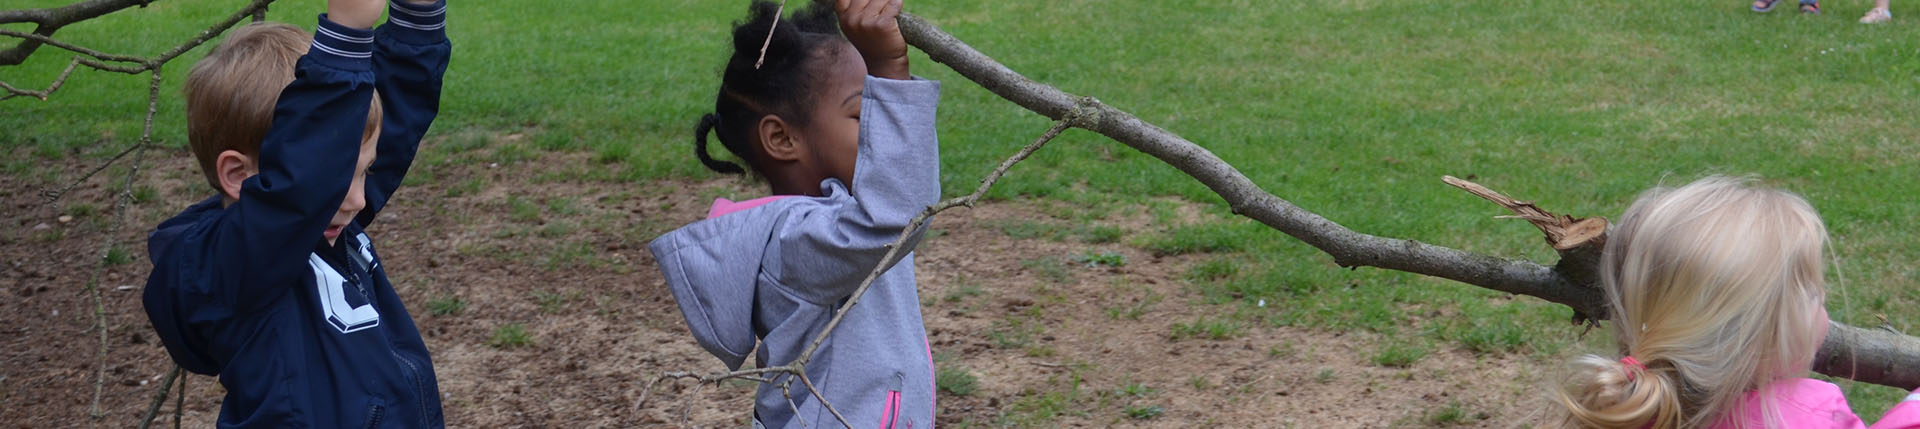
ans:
x=1715 y=288
x=231 y=93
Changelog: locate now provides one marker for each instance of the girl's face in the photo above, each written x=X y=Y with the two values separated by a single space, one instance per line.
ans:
x=833 y=126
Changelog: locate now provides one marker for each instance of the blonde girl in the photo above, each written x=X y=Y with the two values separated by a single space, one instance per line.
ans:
x=1718 y=305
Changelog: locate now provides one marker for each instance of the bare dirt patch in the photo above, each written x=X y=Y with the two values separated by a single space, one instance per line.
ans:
x=544 y=309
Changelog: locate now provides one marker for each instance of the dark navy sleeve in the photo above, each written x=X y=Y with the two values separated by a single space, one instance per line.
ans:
x=260 y=244
x=410 y=55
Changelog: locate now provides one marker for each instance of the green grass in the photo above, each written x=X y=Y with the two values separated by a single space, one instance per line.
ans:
x=1146 y=412
x=117 y=255
x=553 y=302
x=1041 y=408
x=511 y=335
x=1050 y=268
x=1398 y=354
x=1134 y=389
x=1206 y=329
x=956 y=381
x=446 y=305
x=1453 y=414
x=1350 y=109
x=1099 y=259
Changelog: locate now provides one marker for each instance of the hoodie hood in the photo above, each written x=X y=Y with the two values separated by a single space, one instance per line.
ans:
x=168 y=322
x=722 y=255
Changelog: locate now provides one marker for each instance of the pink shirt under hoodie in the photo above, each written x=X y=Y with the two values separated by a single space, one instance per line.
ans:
x=1814 y=404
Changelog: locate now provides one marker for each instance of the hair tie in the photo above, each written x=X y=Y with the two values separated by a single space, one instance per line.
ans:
x=1631 y=363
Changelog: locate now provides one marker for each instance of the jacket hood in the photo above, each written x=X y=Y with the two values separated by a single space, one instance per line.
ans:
x=168 y=322
x=722 y=256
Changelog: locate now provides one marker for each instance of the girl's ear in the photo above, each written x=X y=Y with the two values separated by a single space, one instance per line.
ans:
x=779 y=140
x=233 y=168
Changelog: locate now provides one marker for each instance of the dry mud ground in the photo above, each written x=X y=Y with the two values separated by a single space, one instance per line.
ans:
x=1051 y=342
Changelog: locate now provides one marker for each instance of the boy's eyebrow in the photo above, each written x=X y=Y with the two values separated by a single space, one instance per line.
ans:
x=856 y=94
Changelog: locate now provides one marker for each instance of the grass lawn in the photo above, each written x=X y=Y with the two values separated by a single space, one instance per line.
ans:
x=1350 y=108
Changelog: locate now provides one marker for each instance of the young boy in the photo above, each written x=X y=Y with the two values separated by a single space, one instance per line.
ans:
x=272 y=285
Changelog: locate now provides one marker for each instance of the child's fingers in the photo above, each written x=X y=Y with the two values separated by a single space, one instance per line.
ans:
x=891 y=10
x=870 y=12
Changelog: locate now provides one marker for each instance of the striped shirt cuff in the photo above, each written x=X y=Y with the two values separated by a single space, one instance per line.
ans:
x=342 y=46
x=418 y=23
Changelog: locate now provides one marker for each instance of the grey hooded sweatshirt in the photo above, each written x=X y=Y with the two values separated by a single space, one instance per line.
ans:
x=777 y=272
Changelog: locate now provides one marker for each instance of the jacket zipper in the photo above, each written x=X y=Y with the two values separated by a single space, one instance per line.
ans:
x=413 y=376
x=375 y=413
x=890 y=415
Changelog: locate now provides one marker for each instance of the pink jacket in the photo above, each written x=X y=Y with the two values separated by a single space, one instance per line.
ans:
x=1815 y=404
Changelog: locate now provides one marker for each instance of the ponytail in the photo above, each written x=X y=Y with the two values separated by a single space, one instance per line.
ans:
x=707 y=124
x=1607 y=393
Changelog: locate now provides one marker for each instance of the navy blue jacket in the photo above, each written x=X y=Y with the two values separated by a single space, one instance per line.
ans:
x=302 y=333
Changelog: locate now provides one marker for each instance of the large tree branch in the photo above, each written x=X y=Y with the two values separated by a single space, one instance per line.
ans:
x=1865 y=355
x=50 y=20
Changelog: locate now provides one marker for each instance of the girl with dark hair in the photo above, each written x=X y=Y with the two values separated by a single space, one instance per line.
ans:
x=844 y=138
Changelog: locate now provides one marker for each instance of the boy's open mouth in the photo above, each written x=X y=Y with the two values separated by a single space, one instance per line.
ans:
x=333 y=231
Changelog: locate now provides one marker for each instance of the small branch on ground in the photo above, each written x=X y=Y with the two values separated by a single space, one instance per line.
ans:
x=160 y=397
x=180 y=400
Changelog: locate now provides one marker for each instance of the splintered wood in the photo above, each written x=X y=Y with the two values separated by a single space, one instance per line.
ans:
x=1563 y=232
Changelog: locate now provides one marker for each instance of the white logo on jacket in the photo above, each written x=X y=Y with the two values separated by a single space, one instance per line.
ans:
x=333 y=289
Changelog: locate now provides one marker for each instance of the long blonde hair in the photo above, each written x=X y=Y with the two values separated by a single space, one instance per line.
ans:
x=1716 y=287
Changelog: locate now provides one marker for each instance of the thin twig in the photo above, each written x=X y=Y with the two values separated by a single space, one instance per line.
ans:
x=914 y=226
x=180 y=401
x=797 y=368
x=686 y=408
x=100 y=59
x=745 y=374
x=122 y=200
x=823 y=399
x=75 y=48
x=41 y=94
x=796 y=407
x=145 y=65
x=166 y=386
x=54 y=195
x=777 y=12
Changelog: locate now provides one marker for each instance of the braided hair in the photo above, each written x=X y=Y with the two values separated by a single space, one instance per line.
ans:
x=753 y=86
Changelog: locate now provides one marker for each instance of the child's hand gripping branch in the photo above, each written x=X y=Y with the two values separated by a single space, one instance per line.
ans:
x=873 y=27
x=360 y=14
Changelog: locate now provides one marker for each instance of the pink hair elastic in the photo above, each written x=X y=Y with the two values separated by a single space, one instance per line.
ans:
x=1630 y=362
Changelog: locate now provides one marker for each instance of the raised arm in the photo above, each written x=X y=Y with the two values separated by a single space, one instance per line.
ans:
x=306 y=165
x=828 y=246
x=409 y=57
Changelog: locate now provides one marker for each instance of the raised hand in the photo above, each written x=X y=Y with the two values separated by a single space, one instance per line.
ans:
x=873 y=26
x=360 y=14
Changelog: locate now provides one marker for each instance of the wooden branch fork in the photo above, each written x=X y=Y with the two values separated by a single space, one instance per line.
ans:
x=1870 y=355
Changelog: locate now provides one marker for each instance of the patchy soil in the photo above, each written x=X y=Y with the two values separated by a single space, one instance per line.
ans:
x=1069 y=332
